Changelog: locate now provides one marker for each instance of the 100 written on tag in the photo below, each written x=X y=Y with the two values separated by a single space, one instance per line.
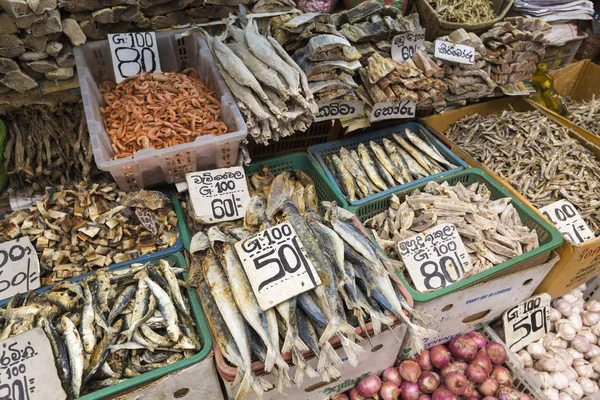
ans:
x=133 y=53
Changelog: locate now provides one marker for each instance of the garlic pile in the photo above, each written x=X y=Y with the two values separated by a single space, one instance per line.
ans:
x=567 y=361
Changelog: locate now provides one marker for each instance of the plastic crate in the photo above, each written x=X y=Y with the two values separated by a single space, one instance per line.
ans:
x=549 y=237
x=301 y=161
x=201 y=329
x=150 y=166
x=317 y=133
x=559 y=56
x=326 y=149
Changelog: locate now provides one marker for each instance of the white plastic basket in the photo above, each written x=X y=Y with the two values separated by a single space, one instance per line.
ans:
x=150 y=167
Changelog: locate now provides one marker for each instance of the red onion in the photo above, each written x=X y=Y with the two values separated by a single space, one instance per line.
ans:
x=501 y=375
x=424 y=397
x=389 y=391
x=508 y=393
x=369 y=386
x=471 y=391
x=463 y=348
x=458 y=365
x=392 y=374
x=340 y=396
x=490 y=398
x=353 y=395
x=439 y=356
x=478 y=338
x=476 y=373
x=424 y=361
x=429 y=381
x=409 y=370
x=488 y=387
x=482 y=359
x=409 y=390
x=442 y=393
x=471 y=398
x=456 y=382
x=525 y=397
x=496 y=353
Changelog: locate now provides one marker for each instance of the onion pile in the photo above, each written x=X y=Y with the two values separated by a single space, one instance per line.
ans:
x=467 y=368
x=566 y=361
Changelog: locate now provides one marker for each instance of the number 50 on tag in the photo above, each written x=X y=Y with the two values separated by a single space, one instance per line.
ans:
x=527 y=322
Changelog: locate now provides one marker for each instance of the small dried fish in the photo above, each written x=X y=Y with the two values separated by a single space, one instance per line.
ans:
x=586 y=114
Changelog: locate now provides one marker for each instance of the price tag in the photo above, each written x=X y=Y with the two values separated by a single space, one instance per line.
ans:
x=454 y=52
x=435 y=258
x=27 y=369
x=19 y=267
x=393 y=110
x=568 y=221
x=277 y=265
x=339 y=109
x=218 y=195
x=133 y=53
x=527 y=322
x=406 y=44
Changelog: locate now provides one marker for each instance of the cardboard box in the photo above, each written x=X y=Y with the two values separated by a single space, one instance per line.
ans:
x=580 y=82
x=373 y=361
x=578 y=263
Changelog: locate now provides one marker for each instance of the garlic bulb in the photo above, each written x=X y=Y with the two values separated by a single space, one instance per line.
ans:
x=550 y=364
x=581 y=344
x=551 y=394
x=595 y=376
x=576 y=309
x=555 y=315
x=595 y=361
x=590 y=318
x=582 y=287
x=525 y=358
x=596 y=329
x=560 y=380
x=576 y=321
x=563 y=306
x=546 y=380
x=595 y=351
x=593 y=305
x=590 y=337
x=564 y=396
x=566 y=331
x=570 y=373
x=586 y=384
x=575 y=390
x=536 y=349
x=574 y=353
x=583 y=368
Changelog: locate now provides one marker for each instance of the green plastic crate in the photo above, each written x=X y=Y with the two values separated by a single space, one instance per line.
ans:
x=290 y=162
x=549 y=237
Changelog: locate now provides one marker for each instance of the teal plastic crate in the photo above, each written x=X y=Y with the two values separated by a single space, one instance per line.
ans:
x=549 y=237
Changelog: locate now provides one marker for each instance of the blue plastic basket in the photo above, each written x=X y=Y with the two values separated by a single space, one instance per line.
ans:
x=321 y=150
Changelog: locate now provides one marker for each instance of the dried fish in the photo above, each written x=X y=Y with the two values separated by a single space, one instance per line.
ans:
x=585 y=114
x=472 y=12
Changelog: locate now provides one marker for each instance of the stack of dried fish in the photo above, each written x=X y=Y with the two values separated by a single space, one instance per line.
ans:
x=361 y=173
x=536 y=156
x=77 y=229
x=268 y=6
x=271 y=90
x=491 y=230
x=464 y=12
x=110 y=326
x=355 y=282
x=586 y=114
x=466 y=81
x=514 y=47
x=48 y=147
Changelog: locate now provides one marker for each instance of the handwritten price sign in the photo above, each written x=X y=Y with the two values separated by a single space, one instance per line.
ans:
x=568 y=221
x=133 y=53
x=406 y=44
x=218 y=195
x=277 y=265
x=339 y=109
x=527 y=322
x=27 y=369
x=19 y=268
x=393 y=110
x=435 y=258
x=454 y=52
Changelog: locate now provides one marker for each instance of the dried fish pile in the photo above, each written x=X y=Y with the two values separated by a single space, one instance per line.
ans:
x=365 y=171
x=466 y=81
x=36 y=43
x=536 y=156
x=271 y=90
x=491 y=230
x=267 y=6
x=159 y=110
x=327 y=59
x=48 y=147
x=514 y=47
x=81 y=228
x=110 y=326
x=347 y=262
x=464 y=12
x=586 y=114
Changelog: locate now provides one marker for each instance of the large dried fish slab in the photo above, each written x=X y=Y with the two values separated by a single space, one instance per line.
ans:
x=330 y=47
x=362 y=11
x=379 y=67
x=364 y=31
x=306 y=18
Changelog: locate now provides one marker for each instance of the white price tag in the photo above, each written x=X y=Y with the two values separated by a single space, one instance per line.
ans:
x=27 y=369
x=393 y=110
x=406 y=44
x=527 y=322
x=339 y=109
x=19 y=268
x=454 y=52
x=277 y=265
x=568 y=221
x=435 y=258
x=218 y=195
x=133 y=53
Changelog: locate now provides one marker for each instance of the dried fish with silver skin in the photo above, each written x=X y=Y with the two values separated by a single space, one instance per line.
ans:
x=586 y=114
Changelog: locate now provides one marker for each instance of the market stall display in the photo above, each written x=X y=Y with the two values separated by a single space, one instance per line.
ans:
x=78 y=229
x=585 y=114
